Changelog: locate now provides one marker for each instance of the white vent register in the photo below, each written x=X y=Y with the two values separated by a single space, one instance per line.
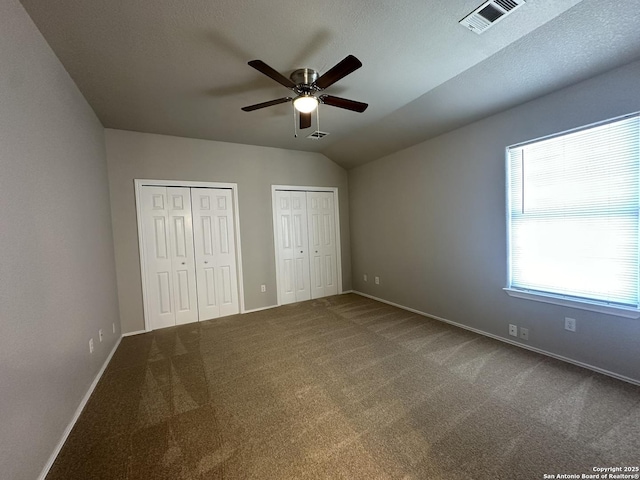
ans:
x=489 y=13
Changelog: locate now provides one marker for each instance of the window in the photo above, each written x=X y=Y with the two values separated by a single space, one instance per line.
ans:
x=572 y=218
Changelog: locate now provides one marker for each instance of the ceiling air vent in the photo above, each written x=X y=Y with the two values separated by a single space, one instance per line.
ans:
x=318 y=135
x=489 y=13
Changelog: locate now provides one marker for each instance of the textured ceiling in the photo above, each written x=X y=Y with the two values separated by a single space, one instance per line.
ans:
x=180 y=67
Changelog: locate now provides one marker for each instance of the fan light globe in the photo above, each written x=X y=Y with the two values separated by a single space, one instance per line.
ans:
x=305 y=103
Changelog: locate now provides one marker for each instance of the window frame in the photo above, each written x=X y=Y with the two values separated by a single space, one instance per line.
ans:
x=549 y=297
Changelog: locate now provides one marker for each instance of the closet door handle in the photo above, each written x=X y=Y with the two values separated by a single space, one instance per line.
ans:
x=183 y=263
x=206 y=261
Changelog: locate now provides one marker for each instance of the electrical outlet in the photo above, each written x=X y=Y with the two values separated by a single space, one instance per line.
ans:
x=513 y=330
x=91 y=345
x=366 y=278
x=113 y=327
x=263 y=288
x=570 y=324
x=377 y=280
x=100 y=335
x=524 y=333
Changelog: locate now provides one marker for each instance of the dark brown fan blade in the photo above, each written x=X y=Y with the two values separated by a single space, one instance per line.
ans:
x=344 y=103
x=305 y=120
x=270 y=103
x=341 y=70
x=271 y=73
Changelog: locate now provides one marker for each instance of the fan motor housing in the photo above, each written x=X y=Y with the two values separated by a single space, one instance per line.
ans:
x=304 y=76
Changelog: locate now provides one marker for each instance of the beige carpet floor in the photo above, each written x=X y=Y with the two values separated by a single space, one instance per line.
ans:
x=344 y=387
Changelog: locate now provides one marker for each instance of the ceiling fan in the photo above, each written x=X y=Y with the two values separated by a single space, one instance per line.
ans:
x=306 y=83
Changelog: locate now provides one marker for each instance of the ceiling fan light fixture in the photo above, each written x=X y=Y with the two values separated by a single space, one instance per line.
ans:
x=305 y=103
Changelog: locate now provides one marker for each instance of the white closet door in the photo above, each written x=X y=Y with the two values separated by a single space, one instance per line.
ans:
x=168 y=245
x=292 y=245
x=182 y=255
x=157 y=248
x=214 y=240
x=300 y=245
x=322 y=244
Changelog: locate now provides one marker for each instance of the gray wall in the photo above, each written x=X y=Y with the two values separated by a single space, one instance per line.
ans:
x=57 y=280
x=132 y=155
x=430 y=221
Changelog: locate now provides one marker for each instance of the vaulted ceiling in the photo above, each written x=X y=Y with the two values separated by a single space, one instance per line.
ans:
x=180 y=67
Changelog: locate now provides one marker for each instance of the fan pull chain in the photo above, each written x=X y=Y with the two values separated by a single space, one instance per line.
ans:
x=318 y=121
x=295 y=125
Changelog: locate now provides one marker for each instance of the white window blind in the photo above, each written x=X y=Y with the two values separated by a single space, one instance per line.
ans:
x=573 y=214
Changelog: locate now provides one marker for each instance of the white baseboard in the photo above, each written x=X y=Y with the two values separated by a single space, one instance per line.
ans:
x=276 y=306
x=73 y=421
x=260 y=309
x=130 y=334
x=506 y=340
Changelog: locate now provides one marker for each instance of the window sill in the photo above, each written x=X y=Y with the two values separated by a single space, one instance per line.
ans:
x=619 y=311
